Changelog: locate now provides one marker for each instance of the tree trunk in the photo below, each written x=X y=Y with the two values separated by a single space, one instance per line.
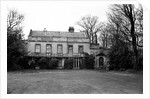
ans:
x=95 y=38
x=134 y=45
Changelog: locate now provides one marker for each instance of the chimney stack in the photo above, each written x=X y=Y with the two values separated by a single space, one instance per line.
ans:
x=44 y=30
x=71 y=29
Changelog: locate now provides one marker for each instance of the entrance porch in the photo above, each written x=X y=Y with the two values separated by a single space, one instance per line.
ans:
x=101 y=61
x=74 y=62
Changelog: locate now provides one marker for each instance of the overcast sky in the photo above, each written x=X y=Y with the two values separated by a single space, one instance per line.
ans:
x=56 y=15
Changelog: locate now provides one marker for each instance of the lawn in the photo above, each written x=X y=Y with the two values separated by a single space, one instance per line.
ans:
x=74 y=82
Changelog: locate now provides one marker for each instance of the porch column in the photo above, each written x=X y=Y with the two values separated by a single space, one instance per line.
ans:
x=78 y=63
x=63 y=60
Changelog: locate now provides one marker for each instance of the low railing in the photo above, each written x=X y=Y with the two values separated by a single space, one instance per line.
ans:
x=55 y=55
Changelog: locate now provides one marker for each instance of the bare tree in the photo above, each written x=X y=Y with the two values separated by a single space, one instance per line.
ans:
x=14 y=20
x=90 y=25
x=15 y=44
x=105 y=38
x=139 y=25
x=124 y=18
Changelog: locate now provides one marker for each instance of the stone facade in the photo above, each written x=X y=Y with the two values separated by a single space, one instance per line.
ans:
x=102 y=58
x=57 y=44
x=64 y=45
x=31 y=47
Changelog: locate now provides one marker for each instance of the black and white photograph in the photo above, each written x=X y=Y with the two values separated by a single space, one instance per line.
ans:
x=73 y=47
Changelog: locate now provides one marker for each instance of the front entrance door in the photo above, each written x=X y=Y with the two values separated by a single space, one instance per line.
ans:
x=101 y=61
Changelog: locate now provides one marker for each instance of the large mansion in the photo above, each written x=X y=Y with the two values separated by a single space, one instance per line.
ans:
x=63 y=45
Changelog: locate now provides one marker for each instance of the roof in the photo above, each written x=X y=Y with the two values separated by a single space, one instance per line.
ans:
x=101 y=54
x=94 y=46
x=34 y=33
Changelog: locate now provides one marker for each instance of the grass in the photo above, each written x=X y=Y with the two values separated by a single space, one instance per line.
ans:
x=74 y=82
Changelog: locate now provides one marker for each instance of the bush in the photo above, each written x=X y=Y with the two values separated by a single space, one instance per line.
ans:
x=23 y=62
x=42 y=63
x=53 y=64
x=82 y=64
x=88 y=61
x=120 y=57
x=31 y=63
x=68 y=64
x=140 y=64
x=85 y=63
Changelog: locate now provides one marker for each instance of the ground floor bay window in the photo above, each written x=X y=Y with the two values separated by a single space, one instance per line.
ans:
x=61 y=63
x=69 y=63
x=76 y=63
x=49 y=62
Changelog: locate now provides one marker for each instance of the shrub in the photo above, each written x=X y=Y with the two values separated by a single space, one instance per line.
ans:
x=31 y=63
x=140 y=64
x=88 y=61
x=85 y=63
x=53 y=64
x=120 y=57
x=82 y=64
x=42 y=63
x=23 y=62
x=68 y=64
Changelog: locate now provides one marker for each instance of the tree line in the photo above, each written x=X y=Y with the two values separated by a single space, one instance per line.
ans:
x=16 y=45
x=123 y=34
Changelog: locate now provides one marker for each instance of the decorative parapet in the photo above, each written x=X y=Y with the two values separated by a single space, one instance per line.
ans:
x=33 y=54
x=57 y=39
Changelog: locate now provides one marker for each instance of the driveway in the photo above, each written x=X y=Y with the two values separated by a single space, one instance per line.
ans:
x=74 y=82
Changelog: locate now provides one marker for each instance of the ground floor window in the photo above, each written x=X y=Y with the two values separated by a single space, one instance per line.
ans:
x=60 y=63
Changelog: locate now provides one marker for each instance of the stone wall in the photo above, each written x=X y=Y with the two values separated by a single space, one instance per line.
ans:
x=86 y=48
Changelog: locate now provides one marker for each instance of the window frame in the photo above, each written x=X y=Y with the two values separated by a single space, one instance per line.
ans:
x=79 y=49
x=61 y=48
x=50 y=48
x=36 y=48
x=72 y=49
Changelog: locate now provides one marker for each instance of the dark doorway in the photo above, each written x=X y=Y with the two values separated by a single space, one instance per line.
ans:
x=101 y=61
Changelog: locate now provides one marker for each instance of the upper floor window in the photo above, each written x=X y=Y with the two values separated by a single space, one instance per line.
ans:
x=80 y=49
x=70 y=49
x=48 y=48
x=59 y=49
x=37 y=48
